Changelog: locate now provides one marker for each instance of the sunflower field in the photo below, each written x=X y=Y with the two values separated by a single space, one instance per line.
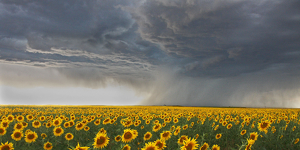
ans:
x=147 y=128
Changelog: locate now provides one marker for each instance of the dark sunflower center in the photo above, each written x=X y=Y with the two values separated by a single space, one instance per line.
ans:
x=189 y=146
x=36 y=123
x=204 y=147
x=58 y=130
x=19 y=126
x=5 y=147
x=147 y=135
x=69 y=136
x=159 y=145
x=48 y=145
x=1 y=131
x=31 y=136
x=151 y=148
x=127 y=135
x=264 y=125
x=101 y=140
x=17 y=135
x=165 y=135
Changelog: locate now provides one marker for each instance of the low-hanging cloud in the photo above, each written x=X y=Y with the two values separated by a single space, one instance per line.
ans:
x=267 y=88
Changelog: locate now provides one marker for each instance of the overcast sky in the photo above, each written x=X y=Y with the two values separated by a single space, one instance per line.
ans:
x=242 y=53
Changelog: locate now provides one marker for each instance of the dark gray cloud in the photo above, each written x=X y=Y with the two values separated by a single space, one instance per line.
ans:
x=189 y=52
x=222 y=38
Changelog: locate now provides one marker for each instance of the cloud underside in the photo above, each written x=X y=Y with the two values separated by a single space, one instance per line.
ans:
x=190 y=52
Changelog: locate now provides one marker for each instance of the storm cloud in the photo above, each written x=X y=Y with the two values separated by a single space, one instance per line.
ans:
x=183 y=52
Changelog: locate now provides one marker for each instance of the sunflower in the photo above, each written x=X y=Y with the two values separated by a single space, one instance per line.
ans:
x=118 y=138
x=29 y=117
x=185 y=127
x=136 y=123
x=160 y=144
x=71 y=123
x=36 y=124
x=42 y=118
x=264 y=125
x=20 y=118
x=69 y=136
x=147 y=121
x=30 y=137
x=7 y=146
x=175 y=120
x=48 y=146
x=224 y=123
x=97 y=122
x=296 y=141
x=101 y=140
x=126 y=147
x=48 y=125
x=243 y=132
x=229 y=126
x=248 y=147
x=43 y=135
x=253 y=136
x=86 y=128
x=102 y=130
x=250 y=141
x=128 y=135
x=81 y=148
x=17 y=135
x=156 y=127
x=147 y=136
x=189 y=144
x=57 y=122
x=218 y=136
x=58 y=131
x=181 y=139
x=66 y=124
x=177 y=130
x=2 y=130
x=216 y=128
x=165 y=135
x=204 y=146
x=4 y=124
x=215 y=147
x=150 y=146
x=106 y=121
x=10 y=118
x=79 y=126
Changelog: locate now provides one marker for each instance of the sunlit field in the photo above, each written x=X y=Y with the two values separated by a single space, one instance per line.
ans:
x=147 y=128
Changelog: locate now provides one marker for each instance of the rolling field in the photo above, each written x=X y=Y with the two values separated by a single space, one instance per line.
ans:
x=147 y=128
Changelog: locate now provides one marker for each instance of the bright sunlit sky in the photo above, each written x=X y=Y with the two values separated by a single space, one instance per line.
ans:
x=243 y=53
